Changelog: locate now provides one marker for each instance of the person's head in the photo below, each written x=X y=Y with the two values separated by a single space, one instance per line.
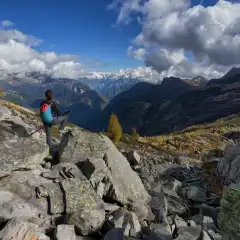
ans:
x=49 y=95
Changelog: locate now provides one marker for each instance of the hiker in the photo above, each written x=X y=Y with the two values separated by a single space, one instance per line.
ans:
x=50 y=115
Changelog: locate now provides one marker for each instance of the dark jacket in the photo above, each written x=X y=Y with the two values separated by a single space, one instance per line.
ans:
x=54 y=107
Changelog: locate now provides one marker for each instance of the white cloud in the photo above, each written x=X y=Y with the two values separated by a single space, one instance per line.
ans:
x=6 y=23
x=138 y=54
x=6 y=35
x=172 y=28
x=18 y=56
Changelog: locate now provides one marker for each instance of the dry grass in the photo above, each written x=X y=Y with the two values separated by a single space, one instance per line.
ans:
x=196 y=138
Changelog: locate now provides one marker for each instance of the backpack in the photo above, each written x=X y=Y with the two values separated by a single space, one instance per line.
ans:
x=46 y=113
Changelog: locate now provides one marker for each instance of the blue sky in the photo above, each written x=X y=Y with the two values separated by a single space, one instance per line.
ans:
x=80 y=27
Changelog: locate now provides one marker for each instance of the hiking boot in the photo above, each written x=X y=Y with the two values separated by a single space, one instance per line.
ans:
x=62 y=132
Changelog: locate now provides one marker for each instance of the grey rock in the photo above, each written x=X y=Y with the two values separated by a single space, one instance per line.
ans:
x=19 y=127
x=159 y=204
x=194 y=193
x=64 y=171
x=133 y=158
x=66 y=232
x=80 y=196
x=176 y=205
x=180 y=222
x=128 y=221
x=87 y=221
x=4 y=113
x=70 y=170
x=95 y=170
x=189 y=233
x=171 y=187
x=110 y=207
x=215 y=235
x=18 y=230
x=145 y=174
x=18 y=191
x=126 y=186
x=11 y=205
x=100 y=189
x=22 y=153
x=229 y=166
x=205 y=236
x=141 y=211
x=162 y=231
x=55 y=194
x=41 y=236
x=48 y=165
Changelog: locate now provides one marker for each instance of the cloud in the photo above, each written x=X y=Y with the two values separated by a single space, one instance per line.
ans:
x=6 y=35
x=6 y=23
x=18 y=56
x=138 y=54
x=170 y=29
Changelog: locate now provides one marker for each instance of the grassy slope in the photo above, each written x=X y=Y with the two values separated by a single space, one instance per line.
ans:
x=196 y=138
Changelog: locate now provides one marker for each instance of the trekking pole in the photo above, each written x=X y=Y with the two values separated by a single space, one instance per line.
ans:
x=40 y=128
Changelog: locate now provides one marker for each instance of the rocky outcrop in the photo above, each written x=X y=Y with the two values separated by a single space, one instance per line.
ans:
x=229 y=166
x=90 y=190
x=123 y=185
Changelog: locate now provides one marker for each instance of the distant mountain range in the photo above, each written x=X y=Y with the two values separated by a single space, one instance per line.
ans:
x=175 y=104
x=152 y=106
x=84 y=102
x=110 y=85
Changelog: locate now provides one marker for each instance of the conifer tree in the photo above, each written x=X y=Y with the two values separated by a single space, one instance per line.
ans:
x=114 y=129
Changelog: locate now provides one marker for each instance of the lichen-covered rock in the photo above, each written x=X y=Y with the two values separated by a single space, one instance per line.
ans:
x=125 y=184
x=80 y=196
x=229 y=216
x=87 y=221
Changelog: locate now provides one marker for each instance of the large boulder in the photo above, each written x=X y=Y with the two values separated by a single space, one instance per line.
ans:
x=125 y=185
x=84 y=208
x=21 y=153
x=229 y=216
x=229 y=166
